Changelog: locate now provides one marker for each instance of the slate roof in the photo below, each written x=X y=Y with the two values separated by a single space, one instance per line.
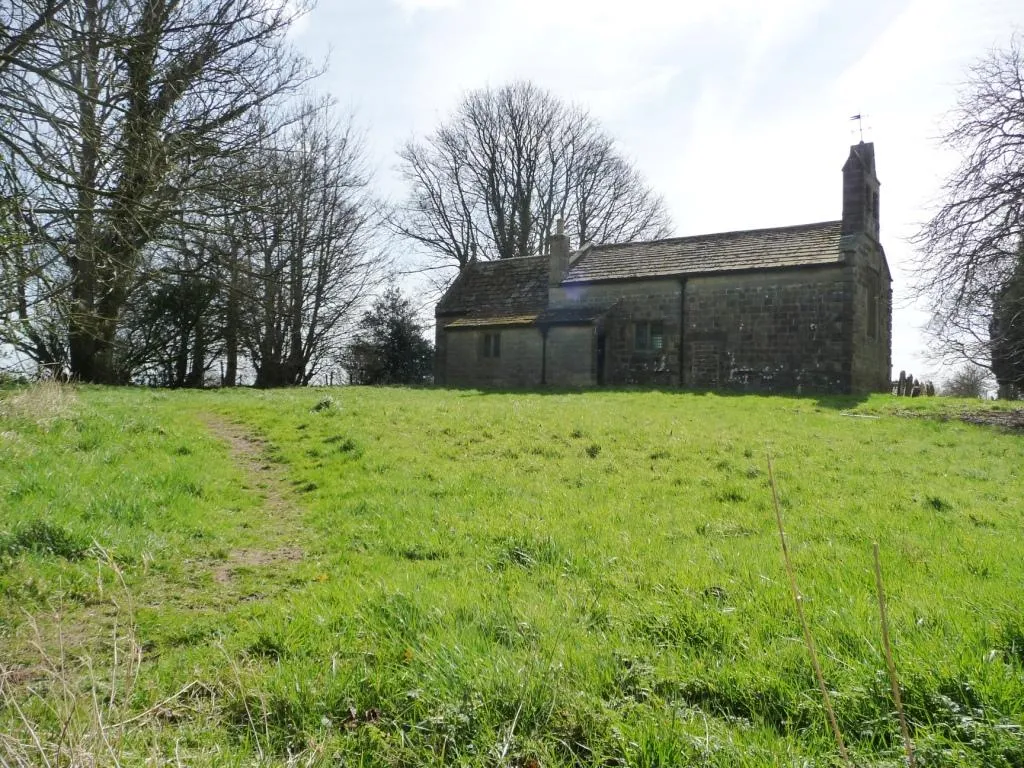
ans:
x=505 y=288
x=804 y=245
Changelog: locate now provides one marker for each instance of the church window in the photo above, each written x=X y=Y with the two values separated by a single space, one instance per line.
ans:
x=650 y=336
x=492 y=345
x=872 y=308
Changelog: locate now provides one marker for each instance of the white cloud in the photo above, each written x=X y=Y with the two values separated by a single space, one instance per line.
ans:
x=412 y=6
x=592 y=48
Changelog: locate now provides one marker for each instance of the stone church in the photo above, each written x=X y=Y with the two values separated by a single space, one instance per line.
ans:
x=805 y=308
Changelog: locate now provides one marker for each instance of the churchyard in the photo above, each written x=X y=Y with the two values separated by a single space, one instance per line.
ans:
x=400 y=577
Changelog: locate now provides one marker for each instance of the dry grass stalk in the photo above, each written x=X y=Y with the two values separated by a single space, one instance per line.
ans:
x=253 y=727
x=75 y=728
x=808 y=638
x=64 y=714
x=908 y=745
x=44 y=403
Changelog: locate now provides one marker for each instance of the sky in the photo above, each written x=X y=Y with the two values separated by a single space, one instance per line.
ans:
x=736 y=111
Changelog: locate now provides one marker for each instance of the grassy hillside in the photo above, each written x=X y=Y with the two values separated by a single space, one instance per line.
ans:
x=409 y=577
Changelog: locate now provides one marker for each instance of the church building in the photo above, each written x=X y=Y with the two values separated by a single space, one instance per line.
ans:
x=804 y=308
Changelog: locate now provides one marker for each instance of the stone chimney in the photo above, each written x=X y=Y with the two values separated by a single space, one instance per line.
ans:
x=860 y=192
x=558 y=250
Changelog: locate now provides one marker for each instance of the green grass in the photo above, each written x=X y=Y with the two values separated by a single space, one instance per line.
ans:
x=511 y=579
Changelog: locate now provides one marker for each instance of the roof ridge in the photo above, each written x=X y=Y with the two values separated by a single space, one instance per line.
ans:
x=509 y=260
x=730 y=233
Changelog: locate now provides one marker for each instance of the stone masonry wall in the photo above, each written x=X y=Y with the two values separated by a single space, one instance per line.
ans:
x=787 y=330
x=638 y=301
x=572 y=357
x=440 y=353
x=464 y=365
x=872 y=354
x=781 y=331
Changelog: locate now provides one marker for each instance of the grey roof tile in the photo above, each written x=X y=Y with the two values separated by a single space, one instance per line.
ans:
x=807 y=244
x=499 y=288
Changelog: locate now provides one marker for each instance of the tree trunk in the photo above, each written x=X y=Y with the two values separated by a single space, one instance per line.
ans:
x=82 y=348
x=82 y=331
x=294 y=368
x=231 y=327
x=181 y=359
x=92 y=353
x=197 y=375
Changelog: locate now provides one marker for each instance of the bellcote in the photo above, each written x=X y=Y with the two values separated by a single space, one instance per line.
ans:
x=860 y=192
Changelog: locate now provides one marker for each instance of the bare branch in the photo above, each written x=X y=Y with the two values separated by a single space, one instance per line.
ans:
x=492 y=181
x=968 y=267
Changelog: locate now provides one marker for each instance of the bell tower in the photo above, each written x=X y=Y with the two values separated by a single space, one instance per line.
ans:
x=860 y=192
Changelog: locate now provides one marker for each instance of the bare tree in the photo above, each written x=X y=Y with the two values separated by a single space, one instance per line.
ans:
x=20 y=25
x=109 y=119
x=491 y=181
x=966 y=381
x=309 y=259
x=968 y=251
x=272 y=269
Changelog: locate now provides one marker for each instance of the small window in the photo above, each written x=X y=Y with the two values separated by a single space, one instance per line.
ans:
x=872 y=308
x=492 y=345
x=872 y=314
x=650 y=336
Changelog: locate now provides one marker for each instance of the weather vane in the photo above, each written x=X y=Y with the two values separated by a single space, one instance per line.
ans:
x=860 y=124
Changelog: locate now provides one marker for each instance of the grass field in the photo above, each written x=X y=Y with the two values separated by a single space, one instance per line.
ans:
x=426 y=577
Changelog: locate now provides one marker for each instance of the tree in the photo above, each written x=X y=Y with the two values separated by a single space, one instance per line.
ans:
x=110 y=118
x=491 y=181
x=27 y=320
x=966 y=381
x=1006 y=332
x=389 y=346
x=271 y=271
x=309 y=258
x=168 y=332
x=968 y=264
x=20 y=26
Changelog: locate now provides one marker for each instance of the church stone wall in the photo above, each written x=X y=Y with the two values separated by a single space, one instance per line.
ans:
x=572 y=357
x=634 y=302
x=461 y=362
x=871 y=338
x=781 y=331
x=792 y=330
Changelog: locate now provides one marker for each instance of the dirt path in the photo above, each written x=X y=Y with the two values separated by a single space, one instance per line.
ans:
x=1009 y=420
x=249 y=453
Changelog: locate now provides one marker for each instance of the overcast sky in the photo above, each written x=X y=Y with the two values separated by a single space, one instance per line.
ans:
x=737 y=111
